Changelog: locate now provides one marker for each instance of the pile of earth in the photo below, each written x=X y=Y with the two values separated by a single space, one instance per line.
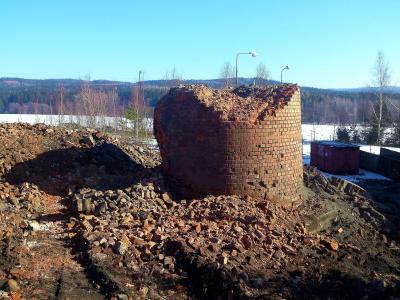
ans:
x=243 y=103
x=39 y=166
x=86 y=216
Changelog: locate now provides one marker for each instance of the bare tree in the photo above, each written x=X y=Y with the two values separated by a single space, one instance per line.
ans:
x=166 y=79
x=113 y=99
x=381 y=82
x=262 y=74
x=61 y=92
x=93 y=104
x=176 y=77
x=135 y=117
x=227 y=74
x=172 y=77
x=88 y=107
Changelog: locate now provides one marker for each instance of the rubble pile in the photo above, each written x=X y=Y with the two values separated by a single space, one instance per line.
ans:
x=243 y=103
x=21 y=142
x=39 y=167
x=237 y=245
x=25 y=195
x=97 y=221
x=375 y=213
x=238 y=235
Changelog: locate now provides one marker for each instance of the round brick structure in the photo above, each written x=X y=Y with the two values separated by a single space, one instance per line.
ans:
x=245 y=141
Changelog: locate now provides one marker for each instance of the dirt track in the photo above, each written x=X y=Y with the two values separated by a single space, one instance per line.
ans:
x=95 y=221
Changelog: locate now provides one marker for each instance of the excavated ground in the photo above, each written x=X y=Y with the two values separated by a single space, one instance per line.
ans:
x=84 y=216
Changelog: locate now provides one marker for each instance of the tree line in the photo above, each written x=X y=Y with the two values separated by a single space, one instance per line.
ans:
x=375 y=108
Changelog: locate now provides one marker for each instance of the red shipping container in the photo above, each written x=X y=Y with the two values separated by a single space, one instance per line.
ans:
x=335 y=157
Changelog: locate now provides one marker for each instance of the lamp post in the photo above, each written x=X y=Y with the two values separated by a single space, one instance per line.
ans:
x=252 y=53
x=285 y=68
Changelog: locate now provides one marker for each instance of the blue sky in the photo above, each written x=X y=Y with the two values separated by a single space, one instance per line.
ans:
x=327 y=44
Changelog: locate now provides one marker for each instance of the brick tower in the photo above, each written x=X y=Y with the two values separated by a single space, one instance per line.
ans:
x=245 y=141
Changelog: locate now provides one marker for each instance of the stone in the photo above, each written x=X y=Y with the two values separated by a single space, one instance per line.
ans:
x=87 y=226
x=88 y=140
x=34 y=226
x=214 y=247
x=12 y=285
x=125 y=240
x=79 y=205
x=120 y=248
x=168 y=260
x=87 y=205
x=142 y=215
x=165 y=196
x=14 y=201
x=239 y=247
x=150 y=244
x=198 y=227
x=156 y=238
x=330 y=244
x=223 y=260
x=279 y=254
x=144 y=290
x=334 y=245
x=238 y=229
x=168 y=201
x=246 y=241
x=289 y=249
x=138 y=241
x=259 y=235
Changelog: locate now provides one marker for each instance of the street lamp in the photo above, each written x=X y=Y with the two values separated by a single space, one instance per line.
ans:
x=252 y=53
x=285 y=68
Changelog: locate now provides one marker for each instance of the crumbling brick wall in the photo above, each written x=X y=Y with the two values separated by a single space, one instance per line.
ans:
x=245 y=141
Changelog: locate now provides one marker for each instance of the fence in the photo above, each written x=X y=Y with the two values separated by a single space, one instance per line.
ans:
x=387 y=163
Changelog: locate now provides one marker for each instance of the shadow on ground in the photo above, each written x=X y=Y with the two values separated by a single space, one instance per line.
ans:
x=385 y=199
x=210 y=281
x=59 y=171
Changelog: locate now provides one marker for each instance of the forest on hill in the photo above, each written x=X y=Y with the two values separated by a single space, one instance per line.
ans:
x=113 y=98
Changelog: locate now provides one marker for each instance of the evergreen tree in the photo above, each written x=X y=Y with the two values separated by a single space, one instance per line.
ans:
x=355 y=134
x=370 y=134
x=394 y=139
x=343 y=134
x=375 y=130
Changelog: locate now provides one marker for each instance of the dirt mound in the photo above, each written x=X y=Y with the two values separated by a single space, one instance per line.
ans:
x=71 y=229
x=63 y=160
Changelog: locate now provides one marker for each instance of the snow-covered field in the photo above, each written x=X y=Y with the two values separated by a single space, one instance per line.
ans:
x=312 y=132
x=56 y=120
x=98 y=121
